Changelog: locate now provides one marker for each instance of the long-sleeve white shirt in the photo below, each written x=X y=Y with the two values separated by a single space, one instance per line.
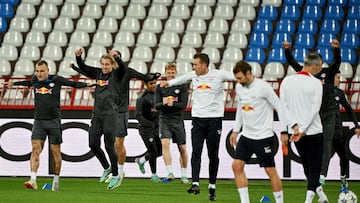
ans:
x=208 y=92
x=301 y=94
x=255 y=110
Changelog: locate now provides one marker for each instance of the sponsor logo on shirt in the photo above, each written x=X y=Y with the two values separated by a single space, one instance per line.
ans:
x=174 y=99
x=102 y=82
x=203 y=86
x=43 y=90
x=247 y=107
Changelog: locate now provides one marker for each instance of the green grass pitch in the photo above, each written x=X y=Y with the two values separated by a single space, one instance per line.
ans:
x=88 y=190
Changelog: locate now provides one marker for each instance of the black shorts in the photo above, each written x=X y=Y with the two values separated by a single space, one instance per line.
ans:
x=123 y=124
x=173 y=130
x=104 y=124
x=263 y=150
x=51 y=128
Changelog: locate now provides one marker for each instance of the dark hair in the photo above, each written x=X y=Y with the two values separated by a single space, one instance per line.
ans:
x=204 y=58
x=42 y=62
x=241 y=66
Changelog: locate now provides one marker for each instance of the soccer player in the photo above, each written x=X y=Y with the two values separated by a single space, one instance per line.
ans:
x=171 y=103
x=256 y=101
x=105 y=114
x=339 y=141
x=148 y=118
x=301 y=94
x=207 y=113
x=47 y=119
x=328 y=106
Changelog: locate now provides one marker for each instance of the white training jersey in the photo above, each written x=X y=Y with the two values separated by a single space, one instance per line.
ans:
x=255 y=110
x=207 y=93
x=301 y=94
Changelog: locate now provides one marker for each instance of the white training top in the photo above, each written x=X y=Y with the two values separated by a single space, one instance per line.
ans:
x=301 y=94
x=255 y=110
x=208 y=92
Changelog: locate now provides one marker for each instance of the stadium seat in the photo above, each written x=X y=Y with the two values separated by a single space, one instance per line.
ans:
x=255 y=54
x=277 y=55
x=325 y=39
x=42 y=24
x=312 y=12
x=213 y=53
x=170 y=39
x=279 y=38
x=139 y=66
x=80 y=38
x=54 y=2
x=174 y=25
x=285 y=26
x=253 y=3
x=338 y=2
x=158 y=66
x=334 y=12
x=224 y=11
x=268 y=12
x=293 y=2
x=290 y=12
x=196 y=25
x=185 y=54
x=114 y=11
x=276 y=3
x=12 y=2
x=348 y=55
x=36 y=38
x=108 y=24
x=92 y=10
x=70 y=10
x=304 y=40
x=6 y=10
x=273 y=71
x=232 y=54
x=5 y=67
x=260 y=40
x=246 y=11
x=3 y=25
x=183 y=67
x=350 y=40
x=130 y=24
x=142 y=2
x=142 y=53
x=30 y=52
x=95 y=52
x=263 y=26
x=86 y=24
x=23 y=67
x=152 y=25
x=353 y=11
x=326 y=53
x=315 y=2
x=290 y=71
x=330 y=26
x=165 y=53
x=214 y=39
x=308 y=26
x=70 y=52
x=354 y=100
x=192 y=39
x=125 y=38
x=256 y=69
x=346 y=70
x=48 y=10
x=136 y=11
x=64 y=24
x=76 y=2
x=218 y=25
x=53 y=52
x=300 y=54
x=180 y=11
x=8 y=52
x=20 y=24
x=65 y=70
x=163 y=2
x=146 y=38
x=240 y=25
x=125 y=52
x=351 y=25
x=202 y=11
x=227 y=66
x=98 y=2
x=238 y=40
x=102 y=38
x=26 y=10
x=158 y=11
x=13 y=38
x=206 y=2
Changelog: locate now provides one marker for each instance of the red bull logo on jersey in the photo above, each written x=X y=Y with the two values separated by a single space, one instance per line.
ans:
x=203 y=86
x=43 y=90
x=247 y=107
x=174 y=99
x=102 y=82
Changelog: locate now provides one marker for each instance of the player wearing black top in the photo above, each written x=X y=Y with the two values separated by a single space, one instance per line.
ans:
x=47 y=119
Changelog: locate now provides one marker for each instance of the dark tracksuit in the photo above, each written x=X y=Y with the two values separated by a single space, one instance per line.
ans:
x=172 y=116
x=105 y=114
x=339 y=141
x=148 y=119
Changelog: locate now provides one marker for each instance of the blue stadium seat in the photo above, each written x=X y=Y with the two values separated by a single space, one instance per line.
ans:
x=290 y=12
x=293 y=2
x=326 y=53
x=300 y=53
x=268 y=12
x=315 y=2
x=325 y=39
x=304 y=40
x=279 y=38
x=312 y=12
x=350 y=40
x=255 y=54
x=330 y=26
x=13 y=2
x=277 y=55
x=263 y=25
x=353 y=2
x=338 y=2
x=308 y=26
x=351 y=25
x=3 y=24
x=285 y=25
x=334 y=12
x=348 y=55
x=354 y=11
x=6 y=10
x=259 y=39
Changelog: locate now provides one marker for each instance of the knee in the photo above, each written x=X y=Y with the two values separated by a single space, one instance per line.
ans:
x=237 y=166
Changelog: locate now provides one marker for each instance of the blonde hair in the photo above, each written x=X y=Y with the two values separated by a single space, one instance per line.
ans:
x=111 y=58
x=171 y=66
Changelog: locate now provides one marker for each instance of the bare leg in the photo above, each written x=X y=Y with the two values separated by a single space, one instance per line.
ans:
x=165 y=143
x=120 y=149
x=183 y=156
x=37 y=146
x=56 y=153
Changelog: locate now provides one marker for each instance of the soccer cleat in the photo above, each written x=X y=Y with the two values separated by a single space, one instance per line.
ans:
x=170 y=177
x=324 y=201
x=31 y=184
x=155 y=179
x=114 y=183
x=105 y=175
x=108 y=178
x=55 y=186
x=184 y=180
x=194 y=189
x=322 y=180
x=141 y=165
x=212 y=194
x=122 y=175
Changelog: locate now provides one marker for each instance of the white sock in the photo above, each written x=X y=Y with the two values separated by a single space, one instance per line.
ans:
x=279 y=197
x=244 y=194
x=183 y=172
x=56 y=179
x=309 y=196
x=196 y=183
x=121 y=168
x=212 y=186
x=33 y=176
x=320 y=192
x=169 y=168
x=142 y=160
